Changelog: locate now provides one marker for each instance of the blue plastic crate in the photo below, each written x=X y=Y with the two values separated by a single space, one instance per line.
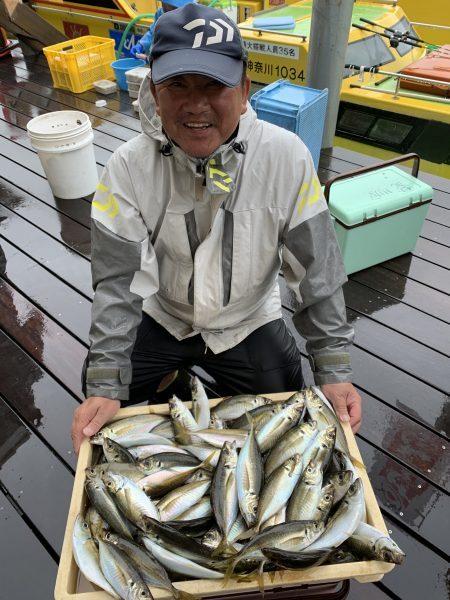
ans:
x=297 y=108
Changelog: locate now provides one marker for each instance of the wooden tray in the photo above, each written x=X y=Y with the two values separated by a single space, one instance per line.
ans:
x=71 y=586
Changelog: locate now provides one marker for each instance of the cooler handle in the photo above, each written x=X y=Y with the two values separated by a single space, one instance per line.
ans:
x=386 y=163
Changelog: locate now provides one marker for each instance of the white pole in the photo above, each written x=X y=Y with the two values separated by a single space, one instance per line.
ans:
x=330 y=26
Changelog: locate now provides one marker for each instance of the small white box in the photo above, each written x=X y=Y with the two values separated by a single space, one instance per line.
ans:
x=104 y=86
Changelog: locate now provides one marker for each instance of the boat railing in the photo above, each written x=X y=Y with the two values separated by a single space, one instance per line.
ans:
x=397 y=92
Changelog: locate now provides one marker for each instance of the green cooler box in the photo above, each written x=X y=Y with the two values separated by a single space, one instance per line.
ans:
x=378 y=212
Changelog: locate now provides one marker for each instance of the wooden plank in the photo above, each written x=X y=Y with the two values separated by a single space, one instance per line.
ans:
x=55 y=256
x=59 y=226
x=402 y=391
x=418 y=506
x=420 y=270
x=420 y=449
x=423 y=574
x=38 y=187
x=102 y=119
x=435 y=232
x=404 y=353
x=26 y=570
x=410 y=292
x=439 y=215
x=35 y=478
x=40 y=82
x=45 y=341
x=65 y=306
x=400 y=317
x=434 y=253
x=42 y=403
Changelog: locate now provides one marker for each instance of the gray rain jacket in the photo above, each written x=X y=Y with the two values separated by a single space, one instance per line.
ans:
x=222 y=284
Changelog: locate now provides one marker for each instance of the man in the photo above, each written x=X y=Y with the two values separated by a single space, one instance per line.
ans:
x=142 y=48
x=192 y=221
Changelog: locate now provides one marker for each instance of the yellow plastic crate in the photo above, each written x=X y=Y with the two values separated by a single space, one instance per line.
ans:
x=76 y=64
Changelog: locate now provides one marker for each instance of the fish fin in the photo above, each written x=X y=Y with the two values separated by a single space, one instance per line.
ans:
x=206 y=464
x=180 y=595
x=358 y=464
x=183 y=438
x=248 y=533
x=225 y=548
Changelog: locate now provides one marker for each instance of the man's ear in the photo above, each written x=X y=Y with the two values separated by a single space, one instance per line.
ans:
x=155 y=96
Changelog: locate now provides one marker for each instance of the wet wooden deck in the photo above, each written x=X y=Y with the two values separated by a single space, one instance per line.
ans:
x=400 y=309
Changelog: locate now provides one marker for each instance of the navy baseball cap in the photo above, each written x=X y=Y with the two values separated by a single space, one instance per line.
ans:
x=197 y=39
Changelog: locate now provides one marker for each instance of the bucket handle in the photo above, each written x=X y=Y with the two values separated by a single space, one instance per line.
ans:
x=381 y=165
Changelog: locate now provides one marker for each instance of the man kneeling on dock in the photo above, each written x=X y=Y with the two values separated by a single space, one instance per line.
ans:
x=191 y=223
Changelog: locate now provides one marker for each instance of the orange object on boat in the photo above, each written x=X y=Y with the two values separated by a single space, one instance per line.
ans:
x=435 y=65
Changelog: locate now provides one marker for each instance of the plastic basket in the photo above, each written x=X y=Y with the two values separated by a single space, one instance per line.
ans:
x=297 y=108
x=76 y=64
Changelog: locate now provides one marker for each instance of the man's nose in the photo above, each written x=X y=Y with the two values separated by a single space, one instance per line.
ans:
x=196 y=99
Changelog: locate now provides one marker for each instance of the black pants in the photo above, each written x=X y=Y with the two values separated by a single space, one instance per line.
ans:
x=267 y=361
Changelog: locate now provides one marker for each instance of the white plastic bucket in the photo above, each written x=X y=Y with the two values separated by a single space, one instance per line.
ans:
x=63 y=140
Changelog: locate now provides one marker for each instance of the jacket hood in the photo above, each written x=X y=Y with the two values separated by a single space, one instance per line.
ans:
x=226 y=155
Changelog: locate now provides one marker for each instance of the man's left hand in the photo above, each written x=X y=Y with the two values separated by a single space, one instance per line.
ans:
x=346 y=402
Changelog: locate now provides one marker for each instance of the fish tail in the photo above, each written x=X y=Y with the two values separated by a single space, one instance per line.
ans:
x=229 y=571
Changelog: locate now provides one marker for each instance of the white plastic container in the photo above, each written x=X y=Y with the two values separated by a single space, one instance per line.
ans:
x=64 y=143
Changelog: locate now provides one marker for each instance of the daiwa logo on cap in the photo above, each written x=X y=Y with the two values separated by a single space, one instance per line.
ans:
x=197 y=40
x=222 y=28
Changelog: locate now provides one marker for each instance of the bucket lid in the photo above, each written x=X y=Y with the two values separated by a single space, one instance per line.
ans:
x=58 y=124
x=376 y=194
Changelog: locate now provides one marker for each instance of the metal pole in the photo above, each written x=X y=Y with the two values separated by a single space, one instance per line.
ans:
x=330 y=26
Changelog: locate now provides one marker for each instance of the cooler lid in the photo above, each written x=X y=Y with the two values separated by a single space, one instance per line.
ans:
x=376 y=194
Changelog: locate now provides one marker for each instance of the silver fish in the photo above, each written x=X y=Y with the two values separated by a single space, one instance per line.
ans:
x=341 y=525
x=341 y=481
x=200 y=403
x=201 y=509
x=217 y=437
x=122 y=573
x=224 y=498
x=130 y=498
x=86 y=555
x=123 y=428
x=323 y=412
x=105 y=505
x=372 y=544
x=114 y=452
x=294 y=441
x=249 y=478
x=305 y=498
x=177 y=563
x=152 y=572
x=278 y=489
x=178 y=501
x=236 y=406
x=182 y=419
x=278 y=425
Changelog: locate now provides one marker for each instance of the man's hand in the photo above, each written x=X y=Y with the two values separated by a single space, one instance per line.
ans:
x=346 y=402
x=90 y=416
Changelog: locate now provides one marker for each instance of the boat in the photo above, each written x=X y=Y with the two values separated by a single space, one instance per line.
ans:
x=375 y=108
x=102 y=18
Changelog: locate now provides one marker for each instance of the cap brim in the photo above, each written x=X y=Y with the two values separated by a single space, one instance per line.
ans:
x=225 y=69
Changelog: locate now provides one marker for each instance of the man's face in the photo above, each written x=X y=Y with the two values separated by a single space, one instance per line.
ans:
x=199 y=113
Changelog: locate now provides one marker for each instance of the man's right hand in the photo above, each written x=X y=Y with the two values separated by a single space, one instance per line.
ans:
x=90 y=416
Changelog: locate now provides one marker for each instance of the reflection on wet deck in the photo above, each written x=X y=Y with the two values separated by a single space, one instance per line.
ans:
x=400 y=310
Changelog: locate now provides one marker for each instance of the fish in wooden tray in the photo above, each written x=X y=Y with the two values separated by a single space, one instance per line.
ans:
x=275 y=487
